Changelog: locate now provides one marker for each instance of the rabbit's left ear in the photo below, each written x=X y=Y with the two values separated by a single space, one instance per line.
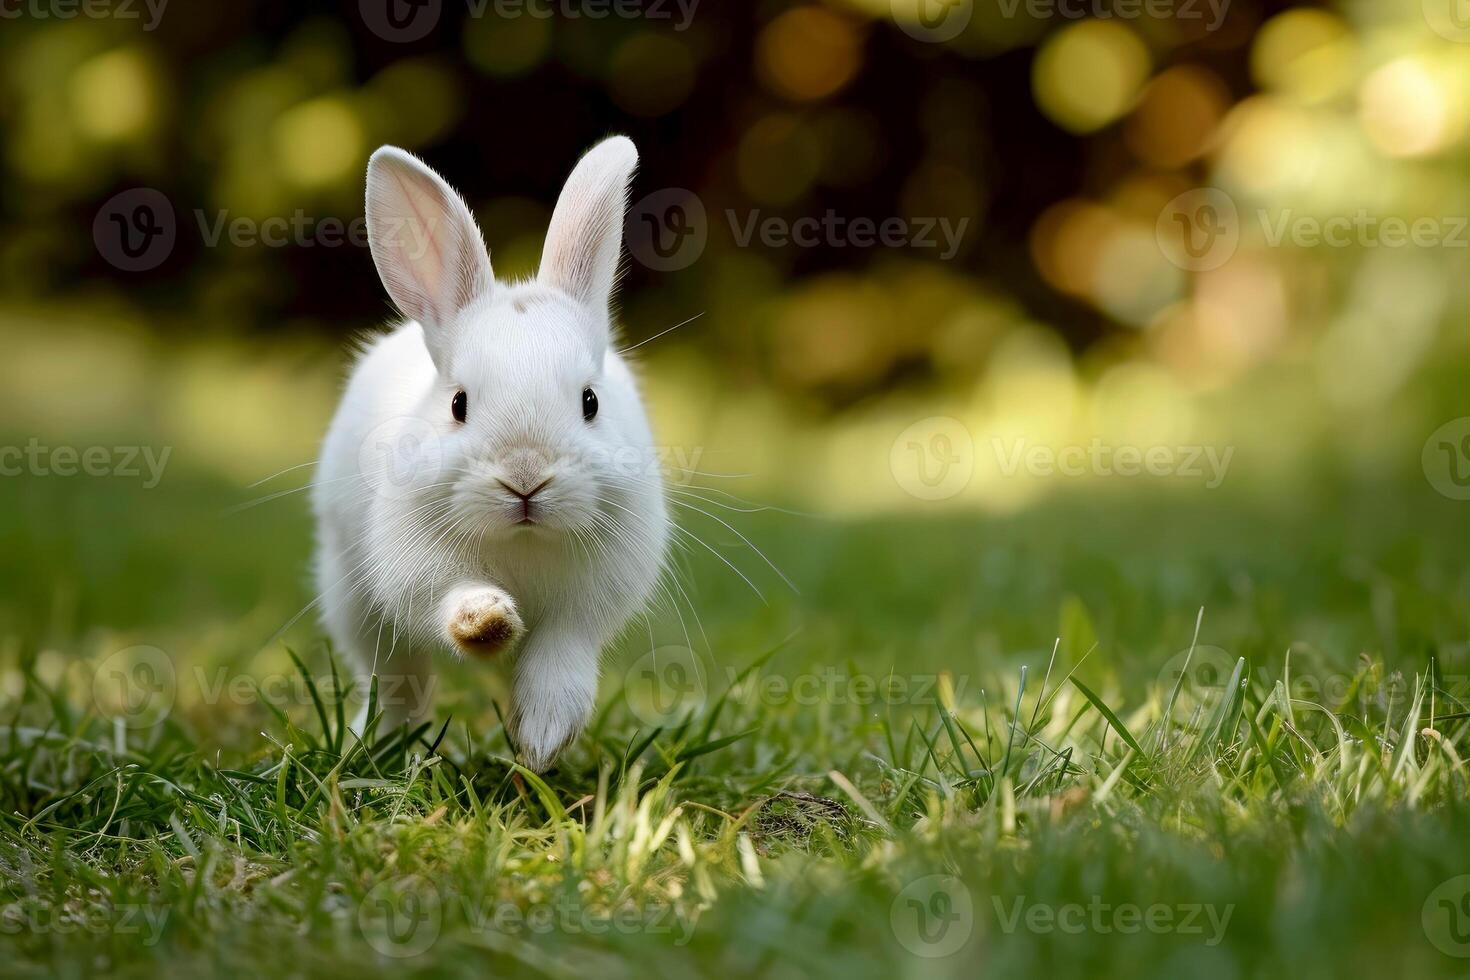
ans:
x=586 y=233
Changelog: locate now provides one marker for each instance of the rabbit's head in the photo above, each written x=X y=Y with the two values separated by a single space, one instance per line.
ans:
x=539 y=423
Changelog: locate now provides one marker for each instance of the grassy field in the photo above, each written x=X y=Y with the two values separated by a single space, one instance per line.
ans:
x=1125 y=732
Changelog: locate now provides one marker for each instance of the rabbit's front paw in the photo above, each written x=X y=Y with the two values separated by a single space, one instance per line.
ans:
x=483 y=622
x=551 y=702
x=542 y=731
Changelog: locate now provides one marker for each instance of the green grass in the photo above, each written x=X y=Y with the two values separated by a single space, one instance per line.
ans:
x=1286 y=801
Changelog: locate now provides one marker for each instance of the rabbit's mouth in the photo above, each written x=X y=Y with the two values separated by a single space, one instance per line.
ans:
x=532 y=501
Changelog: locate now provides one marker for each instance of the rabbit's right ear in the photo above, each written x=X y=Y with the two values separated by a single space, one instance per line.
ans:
x=426 y=245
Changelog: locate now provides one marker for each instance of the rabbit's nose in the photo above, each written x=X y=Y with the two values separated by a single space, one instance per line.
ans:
x=525 y=495
x=524 y=471
x=528 y=513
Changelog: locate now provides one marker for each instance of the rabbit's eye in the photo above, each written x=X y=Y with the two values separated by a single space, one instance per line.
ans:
x=589 y=404
x=459 y=406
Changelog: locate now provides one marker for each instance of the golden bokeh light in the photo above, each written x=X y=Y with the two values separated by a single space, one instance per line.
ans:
x=114 y=96
x=652 y=74
x=1236 y=320
x=1088 y=74
x=506 y=46
x=1141 y=404
x=778 y=158
x=808 y=53
x=1405 y=109
x=1131 y=279
x=1384 y=329
x=1248 y=301
x=852 y=308
x=1177 y=116
x=1304 y=54
x=1269 y=145
x=422 y=99
x=1067 y=241
x=319 y=142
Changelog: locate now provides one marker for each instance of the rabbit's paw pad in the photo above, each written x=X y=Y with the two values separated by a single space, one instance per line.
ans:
x=484 y=622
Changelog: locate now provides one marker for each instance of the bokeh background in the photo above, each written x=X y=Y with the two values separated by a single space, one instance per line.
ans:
x=1056 y=138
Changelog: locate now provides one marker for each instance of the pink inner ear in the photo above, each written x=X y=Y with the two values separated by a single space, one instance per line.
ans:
x=434 y=261
x=424 y=256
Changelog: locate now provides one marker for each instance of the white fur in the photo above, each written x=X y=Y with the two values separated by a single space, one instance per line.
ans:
x=412 y=518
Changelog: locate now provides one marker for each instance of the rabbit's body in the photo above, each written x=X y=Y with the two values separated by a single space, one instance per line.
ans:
x=489 y=476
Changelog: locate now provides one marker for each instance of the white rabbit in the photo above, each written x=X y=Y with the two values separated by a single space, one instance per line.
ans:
x=489 y=478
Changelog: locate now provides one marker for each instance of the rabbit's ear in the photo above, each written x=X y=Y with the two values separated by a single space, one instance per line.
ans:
x=586 y=233
x=425 y=243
